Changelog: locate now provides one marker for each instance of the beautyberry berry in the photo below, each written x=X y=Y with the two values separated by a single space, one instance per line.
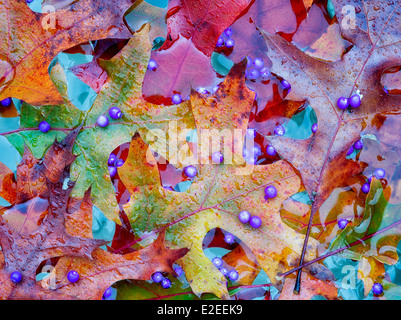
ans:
x=255 y=222
x=6 y=102
x=115 y=113
x=244 y=216
x=107 y=293
x=190 y=171
x=377 y=289
x=217 y=157
x=350 y=151
x=223 y=271
x=355 y=101
x=279 y=130
x=44 y=126
x=102 y=121
x=220 y=42
x=358 y=145
x=217 y=261
x=233 y=275
x=119 y=163
x=270 y=151
x=314 y=127
x=112 y=171
x=176 y=98
x=270 y=191
x=264 y=72
x=342 y=103
x=112 y=159
x=152 y=65
x=342 y=223
x=166 y=283
x=365 y=187
x=157 y=277
x=229 y=238
x=253 y=74
x=16 y=276
x=228 y=32
x=229 y=43
x=379 y=173
x=178 y=270
x=258 y=63
x=73 y=276
x=285 y=85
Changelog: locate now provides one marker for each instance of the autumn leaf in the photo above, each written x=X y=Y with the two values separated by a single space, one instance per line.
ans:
x=23 y=249
x=184 y=59
x=216 y=196
x=26 y=52
x=94 y=144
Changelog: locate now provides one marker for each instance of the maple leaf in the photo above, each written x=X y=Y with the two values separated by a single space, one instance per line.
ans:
x=184 y=59
x=216 y=196
x=23 y=250
x=25 y=57
x=94 y=144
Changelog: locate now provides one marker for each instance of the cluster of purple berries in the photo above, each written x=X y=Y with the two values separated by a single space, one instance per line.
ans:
x=165 y=282
x=354 y=102
x=114 y=113
x=358 y=145
x=113 y=164
x=379 y=173
x=232 y=274
x=245 y=217
x=225 y=39
x=256 y=69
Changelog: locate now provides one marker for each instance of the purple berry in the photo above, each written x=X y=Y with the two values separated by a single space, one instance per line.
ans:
x=119 y=163
x=342 y=103
x=271 y=151
x=29 y=1
x=358 y=145
x=223 y=271
x=16 y=276
x=251 y=133
x=248 y=62
x=217 y=157
x=190 y=171
x=355 y=101
x=157 y=277
x=350 y=151
x=202 y=90
x=229 y=238
x=107 y=293
x=168 y=188
x=264 y=72
x=178 y=270
x=377 y=289
x=233 y=275
x=6 y=102
x=370 y=179
x=379 y=173
x=220 y=42
x=112 y=171
x=270 y=192
x=244 y=216
x=44 y=126
x=258 y=63
x=217 y=261
x=314 y=127
x=115 y=113
x=255 y=222
x=365 y=187
x=176 y=98
x=215 y=88
x=256 y=151
x=228 y=32
x=229 y=43
x=166 y=283
x=112 y=159
x=152 y=65
x=102 y=121
x=73 y=276
x=285 y=85
x=279 y=130
x=342 y=223
x=253 y=74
